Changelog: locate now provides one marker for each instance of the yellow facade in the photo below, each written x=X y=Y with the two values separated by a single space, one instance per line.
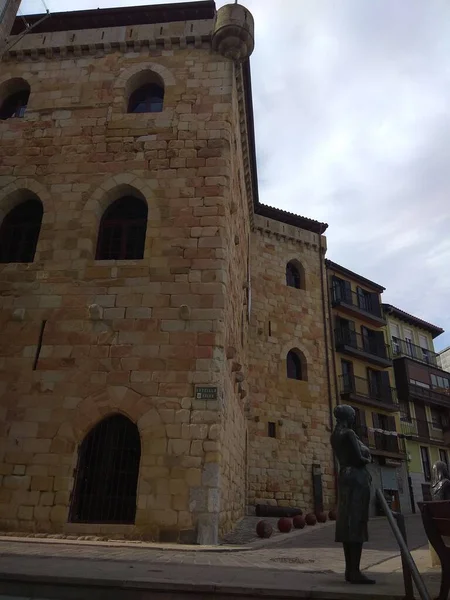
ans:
x=365 y=376
x=424 y=394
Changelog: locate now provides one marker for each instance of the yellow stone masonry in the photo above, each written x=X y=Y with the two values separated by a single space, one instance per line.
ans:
x=207 y=305
x=285 y=318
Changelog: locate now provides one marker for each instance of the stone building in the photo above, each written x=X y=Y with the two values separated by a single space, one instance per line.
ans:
x=291 y=385
x=423 y=389
x=365 y=379
x=149 y=336
x=443 y=359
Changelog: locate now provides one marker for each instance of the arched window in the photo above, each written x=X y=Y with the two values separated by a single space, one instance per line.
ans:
x=147 y=99
x=105 y=488
x=295 y=275
x=14 y=96
x=122 y=230
x=19 y=232
x=296 y=365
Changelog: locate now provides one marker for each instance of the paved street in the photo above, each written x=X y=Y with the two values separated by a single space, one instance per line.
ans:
x=311 y=550
x=312 y=553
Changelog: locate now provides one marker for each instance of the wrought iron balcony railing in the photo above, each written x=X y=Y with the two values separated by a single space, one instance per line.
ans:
x=425 y=430
x=389 y=442
x=371 y=344
x=439 y=395
x=349 y=384
x=367 y=303
x=406 y=348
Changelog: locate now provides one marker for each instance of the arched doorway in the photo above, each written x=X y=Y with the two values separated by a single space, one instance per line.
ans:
x=107 y=473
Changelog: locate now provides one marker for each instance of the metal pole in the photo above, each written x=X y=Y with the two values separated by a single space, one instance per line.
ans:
x=423 y=592
x=407 y=578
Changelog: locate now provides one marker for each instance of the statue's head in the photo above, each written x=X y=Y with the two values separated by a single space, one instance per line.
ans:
x=440 y=472
x=345 y=414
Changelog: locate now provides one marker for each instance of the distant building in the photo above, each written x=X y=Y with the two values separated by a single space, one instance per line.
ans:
x=443 y=359
x=423 y=390
x=365 y=378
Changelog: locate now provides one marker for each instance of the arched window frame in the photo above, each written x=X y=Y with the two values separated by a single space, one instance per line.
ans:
x=145 y=93
x=14 y=97
x=296 y=365
x=20 y=230
x=116 y=232
x=295 y=275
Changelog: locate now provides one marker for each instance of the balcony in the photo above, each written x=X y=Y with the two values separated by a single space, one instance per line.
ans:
x=365 y=307
x=384 y=444
x=429 y=395
x=358 y=389
x=405 y=348
x=365 y=347
x=425 y=431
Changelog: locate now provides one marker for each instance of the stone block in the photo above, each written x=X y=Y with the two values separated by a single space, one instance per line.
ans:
x=211 y=475
x=43 y=484
x=58 y=514
x=25 y=513
x=208 y=529
x=178 y=447
x=198 y=500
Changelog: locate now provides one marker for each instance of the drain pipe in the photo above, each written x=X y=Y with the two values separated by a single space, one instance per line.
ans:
x=327 y=357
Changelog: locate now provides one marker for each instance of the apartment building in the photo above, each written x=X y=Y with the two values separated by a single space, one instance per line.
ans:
x=365 y=378
x=423 y=389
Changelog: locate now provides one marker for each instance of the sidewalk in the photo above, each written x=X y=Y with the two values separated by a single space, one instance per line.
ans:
x=308 y=564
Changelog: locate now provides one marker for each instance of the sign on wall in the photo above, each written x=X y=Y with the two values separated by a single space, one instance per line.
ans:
x=206 y=392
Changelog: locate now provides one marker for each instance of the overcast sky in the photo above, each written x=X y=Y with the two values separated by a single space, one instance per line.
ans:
x=352 y=114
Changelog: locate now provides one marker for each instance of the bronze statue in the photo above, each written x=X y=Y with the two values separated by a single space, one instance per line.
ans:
x=353 y=492
x=440 y=481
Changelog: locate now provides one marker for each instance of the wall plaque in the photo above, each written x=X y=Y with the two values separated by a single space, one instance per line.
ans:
x=206 y=392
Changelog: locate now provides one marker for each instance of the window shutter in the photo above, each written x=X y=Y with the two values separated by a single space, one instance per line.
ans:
x=365 y=339
x=361 y=298
x=380 y=345
x=386 y=390
x=391 y=424
x=347 y=291
x=376 y=420
x=362 y=418
x=375 y=307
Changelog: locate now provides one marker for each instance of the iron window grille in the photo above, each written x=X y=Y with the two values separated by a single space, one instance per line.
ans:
x=105 y=489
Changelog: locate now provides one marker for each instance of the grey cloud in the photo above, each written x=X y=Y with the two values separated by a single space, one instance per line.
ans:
x=352 y=111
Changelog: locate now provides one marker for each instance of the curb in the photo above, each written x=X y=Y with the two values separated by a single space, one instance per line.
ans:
x=137 y=589
x=272 y=542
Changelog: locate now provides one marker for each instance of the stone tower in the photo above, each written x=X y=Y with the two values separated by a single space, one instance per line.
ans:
x=129 y=168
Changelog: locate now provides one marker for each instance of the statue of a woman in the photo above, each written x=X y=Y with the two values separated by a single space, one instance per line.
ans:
x=440 y=481
x=353 y=491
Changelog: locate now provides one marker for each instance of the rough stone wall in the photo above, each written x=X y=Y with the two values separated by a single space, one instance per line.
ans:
x=78 y=150
x=283 y=318
x=237 y=232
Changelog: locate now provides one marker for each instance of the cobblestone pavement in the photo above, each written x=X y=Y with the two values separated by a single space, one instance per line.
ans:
x=311 y=551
